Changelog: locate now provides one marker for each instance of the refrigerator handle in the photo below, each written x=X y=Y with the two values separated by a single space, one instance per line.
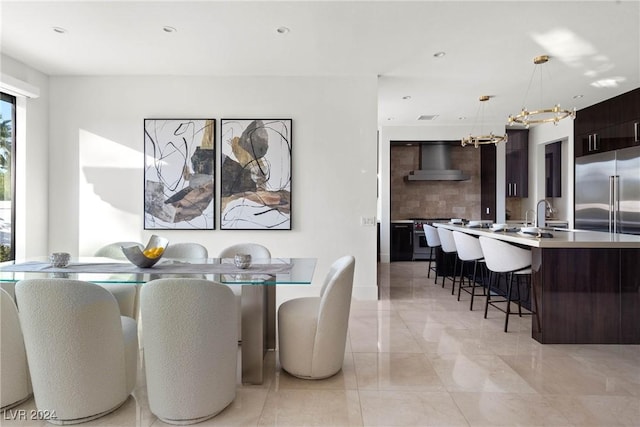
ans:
x=616 y=202
x=611 y=204
x=635 y=132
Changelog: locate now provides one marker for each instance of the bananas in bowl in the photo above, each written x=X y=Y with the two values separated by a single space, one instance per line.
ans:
x=150 y=255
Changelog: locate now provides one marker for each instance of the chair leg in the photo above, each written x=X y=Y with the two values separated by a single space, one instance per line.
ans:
x=473 y=285
x=445 y=263
x=486 y=304
x=461 y=283
x=455 y=267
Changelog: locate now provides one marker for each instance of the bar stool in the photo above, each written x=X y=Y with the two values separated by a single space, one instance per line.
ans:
x=512 y=261
x=448 y=246
x=433 y=241
x=469 y=250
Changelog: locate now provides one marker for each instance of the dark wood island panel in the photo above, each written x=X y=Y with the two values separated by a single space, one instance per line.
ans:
x=587 y=295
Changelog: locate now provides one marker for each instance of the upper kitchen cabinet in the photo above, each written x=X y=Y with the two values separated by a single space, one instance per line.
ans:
x=608 y=125
x=517 y=163
x=488 y=182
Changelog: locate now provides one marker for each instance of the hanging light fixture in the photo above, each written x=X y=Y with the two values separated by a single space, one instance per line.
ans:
x=477 y=140
x=544 y=115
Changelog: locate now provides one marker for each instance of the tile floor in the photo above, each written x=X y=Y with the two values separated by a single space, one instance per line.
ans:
x=418 y=357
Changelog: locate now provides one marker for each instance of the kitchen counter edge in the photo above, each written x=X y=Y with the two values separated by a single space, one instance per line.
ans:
x=560 y=239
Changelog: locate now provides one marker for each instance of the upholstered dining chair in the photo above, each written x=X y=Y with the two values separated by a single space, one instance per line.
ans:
x=191 y=348
x=312 y=331
x=82 y=354
x=15 y=385
x=257 y=252
x=191 y=250
x=125 y=293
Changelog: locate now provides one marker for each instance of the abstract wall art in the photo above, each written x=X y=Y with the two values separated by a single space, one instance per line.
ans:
x=255 y=174
x=179 y=174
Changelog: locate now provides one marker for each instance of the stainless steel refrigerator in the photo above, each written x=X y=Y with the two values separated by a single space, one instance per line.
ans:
x=607 y=196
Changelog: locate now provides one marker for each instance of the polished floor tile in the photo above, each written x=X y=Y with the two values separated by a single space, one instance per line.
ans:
x=418 y=357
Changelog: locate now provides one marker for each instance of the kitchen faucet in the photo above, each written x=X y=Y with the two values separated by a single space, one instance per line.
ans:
x=526 y=217
x=542 y=212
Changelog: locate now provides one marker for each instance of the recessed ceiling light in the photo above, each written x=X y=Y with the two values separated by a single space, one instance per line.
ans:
x=439 y=54
x=406 y=97
x=168 y=29
x=462 y=118
x=283 y=30
x=577 y=96
x=59 y=30
x=389 y=118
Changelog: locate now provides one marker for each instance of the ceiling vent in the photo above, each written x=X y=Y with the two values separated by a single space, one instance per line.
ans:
x=428 y=117
x=435 y=164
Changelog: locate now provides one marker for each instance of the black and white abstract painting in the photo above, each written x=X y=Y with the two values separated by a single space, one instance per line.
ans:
x=179 y=174
x=255 y=174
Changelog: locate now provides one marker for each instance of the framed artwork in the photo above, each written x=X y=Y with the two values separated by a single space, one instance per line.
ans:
x=255 y=174
x=179 y=174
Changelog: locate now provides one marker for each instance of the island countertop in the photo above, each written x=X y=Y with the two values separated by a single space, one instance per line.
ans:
x=560 y=239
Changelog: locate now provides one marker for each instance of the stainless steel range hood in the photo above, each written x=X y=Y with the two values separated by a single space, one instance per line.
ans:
x=435 y=164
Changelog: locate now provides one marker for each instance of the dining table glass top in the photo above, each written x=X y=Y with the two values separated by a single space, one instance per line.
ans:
x=274 y=271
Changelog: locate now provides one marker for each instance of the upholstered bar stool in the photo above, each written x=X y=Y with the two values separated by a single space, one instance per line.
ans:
x=449 y=249
x=469 y=250
x=433 y=241
x=511 y=261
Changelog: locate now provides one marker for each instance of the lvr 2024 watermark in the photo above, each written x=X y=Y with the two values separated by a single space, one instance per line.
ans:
x=28 y=414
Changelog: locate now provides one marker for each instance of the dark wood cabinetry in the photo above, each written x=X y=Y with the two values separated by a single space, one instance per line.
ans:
x=517 y=163
x=488 y=182
x=553 y=169
x=608 y=125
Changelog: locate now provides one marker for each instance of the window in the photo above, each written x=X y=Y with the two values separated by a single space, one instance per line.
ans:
x=7 y=176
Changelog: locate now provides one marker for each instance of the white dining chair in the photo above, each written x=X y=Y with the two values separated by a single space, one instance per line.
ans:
x=312 y=331
x=258 y=252
x=15 y=385
x=190 y=353
x=125 y=293
x=190 y=250
x=82 y=353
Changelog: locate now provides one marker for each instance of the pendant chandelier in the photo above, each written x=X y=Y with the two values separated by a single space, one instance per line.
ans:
x=543 y=115
x=477 y=140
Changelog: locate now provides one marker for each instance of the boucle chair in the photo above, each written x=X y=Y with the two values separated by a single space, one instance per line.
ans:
x=191 y=348
x=82 y=354
x=125 y=293
x=257 y=252
x=190 y=250
x=312 y=331
x=15 y=386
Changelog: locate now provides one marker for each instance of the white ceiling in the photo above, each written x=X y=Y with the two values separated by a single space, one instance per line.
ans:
x=489 y=47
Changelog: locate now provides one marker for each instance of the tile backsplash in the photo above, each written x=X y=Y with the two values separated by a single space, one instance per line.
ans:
x=434 y=199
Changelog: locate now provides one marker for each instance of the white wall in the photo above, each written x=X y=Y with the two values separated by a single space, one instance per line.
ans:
x=539 y=136
x=32 y=117
x=96 y=162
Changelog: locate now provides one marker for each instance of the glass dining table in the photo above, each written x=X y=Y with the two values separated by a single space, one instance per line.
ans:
x=257 y=289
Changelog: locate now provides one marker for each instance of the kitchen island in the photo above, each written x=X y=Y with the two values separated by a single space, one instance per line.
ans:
x=586 y=284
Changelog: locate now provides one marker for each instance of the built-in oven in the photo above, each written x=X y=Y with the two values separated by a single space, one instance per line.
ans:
x=421 y=249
